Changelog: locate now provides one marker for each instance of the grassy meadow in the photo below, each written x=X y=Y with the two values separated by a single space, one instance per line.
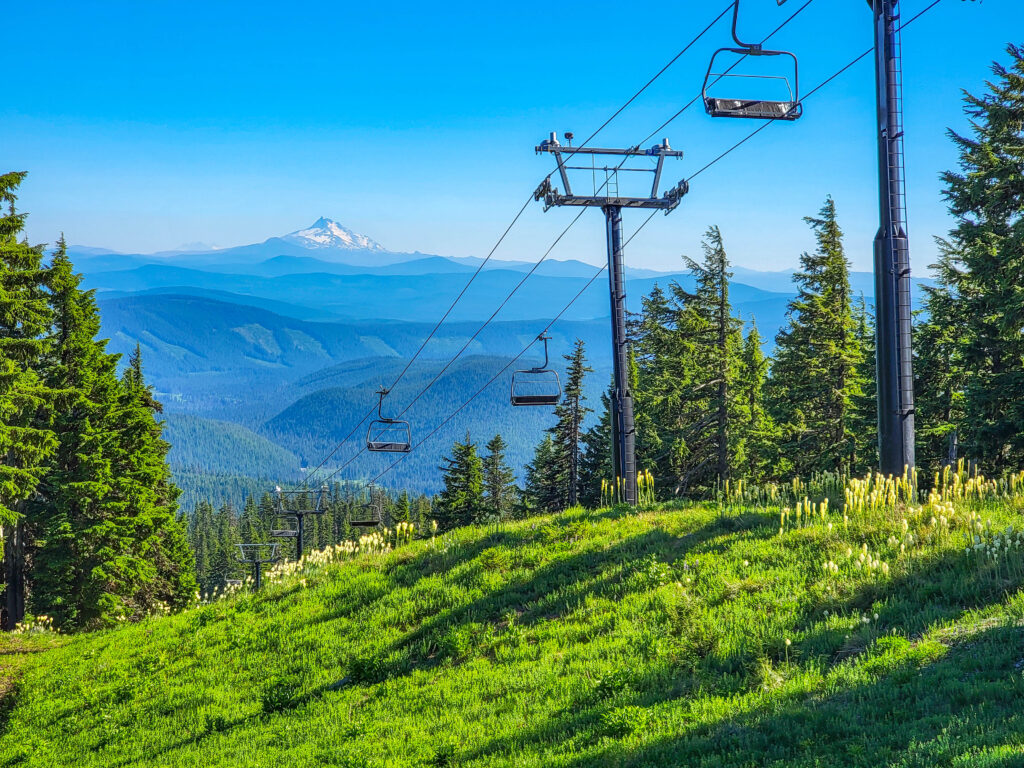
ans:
x=759 y=630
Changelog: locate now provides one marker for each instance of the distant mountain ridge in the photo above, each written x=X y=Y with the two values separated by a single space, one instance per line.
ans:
x=265 y=355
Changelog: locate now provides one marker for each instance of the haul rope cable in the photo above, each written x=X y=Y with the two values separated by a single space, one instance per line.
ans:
x=574 y=220
x=589 y=282
x=504 y=234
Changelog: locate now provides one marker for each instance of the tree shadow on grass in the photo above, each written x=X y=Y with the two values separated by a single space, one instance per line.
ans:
x=788 y=728
x=942 y=588
x=548 y=593
x=921 y=716
x=915 y=715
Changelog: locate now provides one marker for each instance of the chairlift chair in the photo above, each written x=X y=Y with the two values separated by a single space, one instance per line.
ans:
x=756 y=109
x=286 y=527
x=258 y=552
x=388 y=435
x=370 y=512
x=291 y=512
x=536 y=386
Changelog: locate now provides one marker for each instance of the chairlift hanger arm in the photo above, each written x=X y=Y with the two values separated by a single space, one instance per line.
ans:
x=754 y=49
x=545 y=338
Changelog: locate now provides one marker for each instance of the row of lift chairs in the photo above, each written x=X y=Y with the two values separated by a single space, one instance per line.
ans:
x=540 y=385
x=537 y=386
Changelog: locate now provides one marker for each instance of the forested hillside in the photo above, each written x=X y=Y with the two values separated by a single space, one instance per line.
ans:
x=205 y=445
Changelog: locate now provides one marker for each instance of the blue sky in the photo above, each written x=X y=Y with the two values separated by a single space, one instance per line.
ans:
x=148 y=125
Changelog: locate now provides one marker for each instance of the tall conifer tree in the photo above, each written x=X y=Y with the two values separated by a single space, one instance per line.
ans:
x=864 y=417
x=568 y=430
x=708 y=342
x=596 y=460
x=500 y=492
x=981 y=272
x=26 y=439
x=462 y=500
x=76 y=498
x=752 y=439
x=814 y=381
x=939 y=373
x=545 y=478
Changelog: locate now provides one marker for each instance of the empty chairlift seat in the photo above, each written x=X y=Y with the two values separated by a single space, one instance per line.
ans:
x=779 y=98
x=788 y=108
x=367 y=514
x=536 y=386
x=388 y=435
x=285 y=527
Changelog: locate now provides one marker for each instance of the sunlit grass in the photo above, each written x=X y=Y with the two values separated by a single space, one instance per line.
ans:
x=870 y=630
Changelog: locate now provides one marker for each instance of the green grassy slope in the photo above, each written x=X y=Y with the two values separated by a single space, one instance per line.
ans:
x=584 y=639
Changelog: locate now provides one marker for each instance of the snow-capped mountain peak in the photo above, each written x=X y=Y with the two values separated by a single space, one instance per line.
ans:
x=328 y=234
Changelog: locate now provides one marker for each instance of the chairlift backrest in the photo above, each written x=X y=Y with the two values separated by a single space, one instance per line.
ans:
x=288 y=501
x=258 y=552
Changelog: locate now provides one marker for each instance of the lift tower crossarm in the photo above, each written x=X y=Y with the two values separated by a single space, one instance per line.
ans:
x=552 y=197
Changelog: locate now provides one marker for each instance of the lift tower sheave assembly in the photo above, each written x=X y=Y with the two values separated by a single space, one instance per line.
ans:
x=607 y=198
x=892 y=255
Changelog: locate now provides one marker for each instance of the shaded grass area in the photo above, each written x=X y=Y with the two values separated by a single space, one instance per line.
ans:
x=603 y=638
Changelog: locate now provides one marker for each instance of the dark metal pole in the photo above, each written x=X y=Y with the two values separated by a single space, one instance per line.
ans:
x=623 y=429
x=298 y=538
x=895 y=378
x=257 y=569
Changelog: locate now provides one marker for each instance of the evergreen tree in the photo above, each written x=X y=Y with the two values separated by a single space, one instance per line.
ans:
x=753 y=436
x=147 y=562
x=545 y=479
x=500 y=492
x=864 y=417
x=939 y=373
x=462 y=501
x=252 y=526
x=596 y=461
x=814 y=378
x=661 y=356
x=570 y=412
x=223 y=562
x=76 y=498
x=202 y=537
x=402 y=508
x=982 y=272
x=26 y=439
x=708 y=341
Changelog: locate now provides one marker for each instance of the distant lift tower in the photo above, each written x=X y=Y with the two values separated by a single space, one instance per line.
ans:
x=892 y=254
x=291 y=513
x=607 y=198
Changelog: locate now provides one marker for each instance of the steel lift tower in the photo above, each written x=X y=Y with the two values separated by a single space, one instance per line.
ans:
x=892 y=255
x=607 y=198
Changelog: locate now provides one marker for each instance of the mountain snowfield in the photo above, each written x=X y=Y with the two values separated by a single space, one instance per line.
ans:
x=328 y=234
